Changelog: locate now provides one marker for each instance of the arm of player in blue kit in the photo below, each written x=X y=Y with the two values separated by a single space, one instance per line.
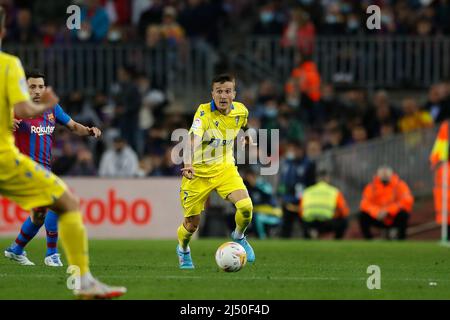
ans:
x=61 y=117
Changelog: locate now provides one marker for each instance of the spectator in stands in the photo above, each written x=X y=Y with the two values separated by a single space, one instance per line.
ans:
x=438 y=103
x=290 y=127
x=354 y=24
x=152 y=16
x=386 y=203
x=331 y=105
x=171 y=31
x=153 y=36
x=266 y=212
x=269 y=118
x=23 y=30
x=168 y=168
x=334 y=20
x=201 y=19
x=270 y=22
x=333 y=136
x=313 y=149
x=128 y=100
x=156 y=141
x=84 y=165
x=94 y=23
x=359 y=134
x=300 y=32
x=381 y=111
x=145 y=167
x=305 y=79
x=323 y=208
x=297 y=173
x=64 y=163
x=413 y=118
x=387 y=129
x=120 y=161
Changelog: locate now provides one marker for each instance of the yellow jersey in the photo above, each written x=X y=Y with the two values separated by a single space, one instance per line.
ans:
x=218 y=132
x=13 y=90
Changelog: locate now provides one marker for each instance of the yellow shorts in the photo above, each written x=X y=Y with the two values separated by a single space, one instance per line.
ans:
x=27 y=183
x=195 y=192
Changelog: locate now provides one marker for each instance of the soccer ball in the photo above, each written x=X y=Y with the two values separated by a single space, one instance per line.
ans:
x=231 y=257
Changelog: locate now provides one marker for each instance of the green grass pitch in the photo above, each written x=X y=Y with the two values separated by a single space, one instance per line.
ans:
x=284 y=269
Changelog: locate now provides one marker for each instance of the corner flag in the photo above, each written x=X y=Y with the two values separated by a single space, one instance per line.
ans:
x=440 y=148
x=440 y=154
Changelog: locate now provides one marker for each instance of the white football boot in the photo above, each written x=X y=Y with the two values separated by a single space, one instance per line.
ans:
x=20 y=258
x=98 y=290
x=53 y=260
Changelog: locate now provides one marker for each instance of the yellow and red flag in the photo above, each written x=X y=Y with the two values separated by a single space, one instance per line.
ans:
x=440 y=148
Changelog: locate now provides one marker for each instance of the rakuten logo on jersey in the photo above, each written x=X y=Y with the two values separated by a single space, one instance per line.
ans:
x=110 y=209
x=40 y=131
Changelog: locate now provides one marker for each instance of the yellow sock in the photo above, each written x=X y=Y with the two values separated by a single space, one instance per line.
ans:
x=243 y=215
x=74 y=239
x=184 y=237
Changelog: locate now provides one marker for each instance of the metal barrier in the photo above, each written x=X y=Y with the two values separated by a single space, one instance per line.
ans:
x=185 y=72
x=354 y=166
x=371 y=61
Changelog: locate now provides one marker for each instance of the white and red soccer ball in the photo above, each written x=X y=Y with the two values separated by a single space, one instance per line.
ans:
x=231 y=257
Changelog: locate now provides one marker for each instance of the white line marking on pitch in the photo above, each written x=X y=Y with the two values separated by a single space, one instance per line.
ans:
x=231 y=277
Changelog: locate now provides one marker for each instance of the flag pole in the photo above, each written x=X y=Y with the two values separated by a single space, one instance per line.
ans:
x=444 y=213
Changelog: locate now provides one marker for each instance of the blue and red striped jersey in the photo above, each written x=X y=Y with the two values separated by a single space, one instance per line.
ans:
x=34 y=137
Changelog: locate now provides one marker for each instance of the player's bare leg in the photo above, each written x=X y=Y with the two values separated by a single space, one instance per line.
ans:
x=75 y=244
x=185 y=232
x=243 y=217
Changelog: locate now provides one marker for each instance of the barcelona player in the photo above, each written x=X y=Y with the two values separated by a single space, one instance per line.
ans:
x=209 y=165
x=34 y=137
x=30 y=185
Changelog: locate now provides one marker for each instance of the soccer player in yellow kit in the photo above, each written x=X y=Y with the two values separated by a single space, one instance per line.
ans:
x=31 y=186
x=210 y=165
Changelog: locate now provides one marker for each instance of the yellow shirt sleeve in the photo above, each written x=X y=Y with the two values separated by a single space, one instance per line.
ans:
x=200 y=123
x=246 y=118
x=17 y=84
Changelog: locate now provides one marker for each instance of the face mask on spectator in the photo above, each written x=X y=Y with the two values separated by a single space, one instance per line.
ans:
x=266 y=16
x=352 y=24
x=84 y=34
x=331 y=18
x=271 y=112
x=290 y=155
x=292 y=102
x=114 y=35
x=386 y=19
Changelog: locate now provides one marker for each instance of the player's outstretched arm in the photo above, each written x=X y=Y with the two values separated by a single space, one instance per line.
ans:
x=29 y=109
x=82 y=130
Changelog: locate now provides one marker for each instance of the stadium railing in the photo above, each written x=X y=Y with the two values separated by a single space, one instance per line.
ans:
x=370 y=61
x=186 y=71
x=352 y=167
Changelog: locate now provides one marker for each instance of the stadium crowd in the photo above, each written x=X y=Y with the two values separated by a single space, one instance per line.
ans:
x=174 y=20
x=137 y=116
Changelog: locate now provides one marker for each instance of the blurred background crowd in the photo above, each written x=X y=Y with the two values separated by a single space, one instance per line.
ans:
x=313 y=113
x=138 y=113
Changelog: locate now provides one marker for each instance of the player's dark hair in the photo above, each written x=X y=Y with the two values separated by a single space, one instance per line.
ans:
x=35 y=73
x=222 y=78
x=2 y=18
